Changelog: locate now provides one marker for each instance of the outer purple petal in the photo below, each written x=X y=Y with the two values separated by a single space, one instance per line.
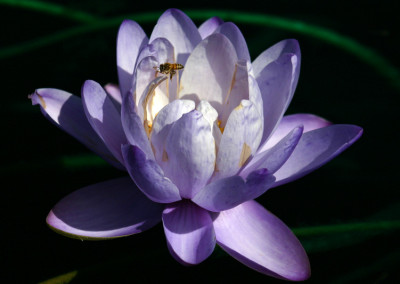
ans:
x=131 y=39
x=189 y=232
x=275 y=157
x=179 y=30
x=315 y=149
x=113 y=208
x=288 y=122
x=227 y=193
x=261 y=241
x=288 y=46
x=190 y=153
x=209 y=26
x=103 y=117
x=115 y=93
x=133 y=127
x=232 y=32
x=276 y=71
x=149 y=177
x=66 y=111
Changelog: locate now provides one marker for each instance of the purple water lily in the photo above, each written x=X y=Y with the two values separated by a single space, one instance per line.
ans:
x=199 y=146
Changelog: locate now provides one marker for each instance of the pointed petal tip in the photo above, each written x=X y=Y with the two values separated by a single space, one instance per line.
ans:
x=37 y=99
x=261 y=241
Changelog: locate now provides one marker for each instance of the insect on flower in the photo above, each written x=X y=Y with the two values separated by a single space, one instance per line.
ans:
x=168 y=68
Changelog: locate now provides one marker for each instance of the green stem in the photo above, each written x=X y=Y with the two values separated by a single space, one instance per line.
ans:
x=51 y=9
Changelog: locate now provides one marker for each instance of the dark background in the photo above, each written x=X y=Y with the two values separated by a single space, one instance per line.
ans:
x=361 y=185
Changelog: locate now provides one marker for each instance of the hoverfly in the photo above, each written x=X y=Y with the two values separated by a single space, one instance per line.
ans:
x=168 y=68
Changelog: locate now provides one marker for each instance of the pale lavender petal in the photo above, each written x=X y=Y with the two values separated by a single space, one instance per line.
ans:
x=258 y=239
x=239 y=141
x=145 y=74
x=109 y=209
x=114 y=92
x=276 y=71
x=209 y=26
x=316 y=148
x=161 y=49
x=288 y=46
x=131 y=39
x=190 y=153
x=163 y=123
x=227 y=193
x=189 y=232
x=232 y=32
x=179 y=29
x=209 y=71
x=133 y=127
x=149 y=177
x=275 y=157
x=255 y=95
x=238 y=91
x=163 y=52
x=104 y=117
x=288 y=122
x=66 y=111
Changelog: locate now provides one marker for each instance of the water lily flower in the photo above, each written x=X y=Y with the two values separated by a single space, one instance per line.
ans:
x=199 y=145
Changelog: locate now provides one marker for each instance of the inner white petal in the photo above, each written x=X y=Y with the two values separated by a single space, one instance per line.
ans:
x=208 y=112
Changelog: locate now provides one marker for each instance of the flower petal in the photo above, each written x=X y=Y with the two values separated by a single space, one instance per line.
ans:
x=189 y=232
x=258 y=239
x=133 y=127
x=209 y=26
x=288 y=122
x=145 y=74
x=209 y=71
x=115 y=93
x=103 y=117
x=255 y=95
x=275 y=157
x=160 y=48
x=113 y=208
x=316 y=148
x=66 y=111
x=232 y=32
x=163 y=123
x=238 y=91
x=227 y=193
x=276 y=71
x=148 y=176
x=131 y=39
x=190 y=153
x=240 y=139
x=179 y=30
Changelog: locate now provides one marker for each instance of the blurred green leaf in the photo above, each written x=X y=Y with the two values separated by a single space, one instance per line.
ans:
x=61 y=279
